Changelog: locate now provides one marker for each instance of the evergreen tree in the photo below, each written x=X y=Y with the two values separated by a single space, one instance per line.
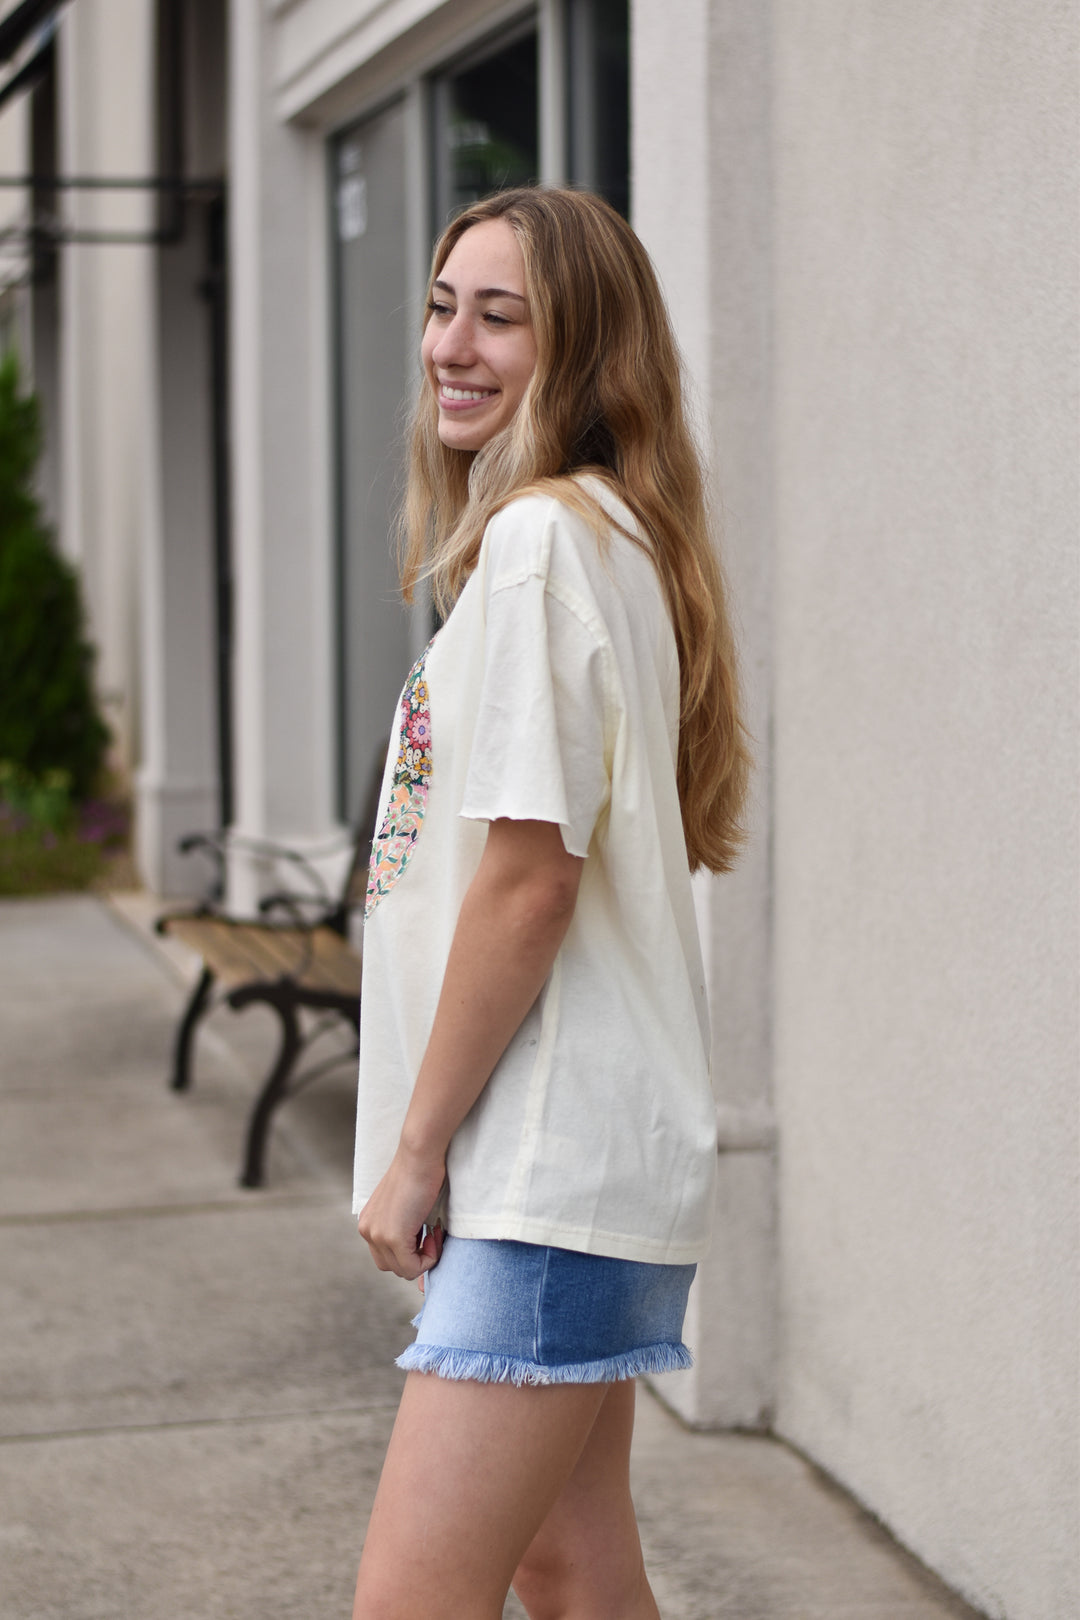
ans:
x=48 y=714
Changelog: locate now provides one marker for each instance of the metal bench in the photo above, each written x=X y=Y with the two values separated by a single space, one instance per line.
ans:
x=301 y=961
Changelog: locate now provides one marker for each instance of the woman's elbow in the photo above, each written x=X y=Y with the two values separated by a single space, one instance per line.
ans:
x=541 y=904
x=556 y=893
x=531 y=870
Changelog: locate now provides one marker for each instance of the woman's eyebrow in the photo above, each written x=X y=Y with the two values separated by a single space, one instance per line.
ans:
x=482 y=292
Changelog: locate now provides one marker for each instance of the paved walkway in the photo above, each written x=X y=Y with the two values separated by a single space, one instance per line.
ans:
x=197 y=1383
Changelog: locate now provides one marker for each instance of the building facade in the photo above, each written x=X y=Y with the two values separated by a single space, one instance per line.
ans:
x=865 y=221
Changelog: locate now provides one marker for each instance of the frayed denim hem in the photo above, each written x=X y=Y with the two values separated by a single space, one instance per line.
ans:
x=484 y=1368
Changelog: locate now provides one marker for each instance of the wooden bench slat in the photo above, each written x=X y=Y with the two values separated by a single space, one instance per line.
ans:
x=238 y=953
x=336 y=964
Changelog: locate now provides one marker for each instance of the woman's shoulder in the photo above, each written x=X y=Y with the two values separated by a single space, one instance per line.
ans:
x=520 y=523
x=585 y=496
x=567 y=524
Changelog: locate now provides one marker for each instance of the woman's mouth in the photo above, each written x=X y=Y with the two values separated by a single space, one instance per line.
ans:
x=463 y=397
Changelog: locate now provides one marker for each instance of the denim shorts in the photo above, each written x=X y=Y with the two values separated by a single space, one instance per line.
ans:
x=521 y=1313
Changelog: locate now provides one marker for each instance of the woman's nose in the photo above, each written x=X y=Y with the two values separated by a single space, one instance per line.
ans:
x=454 y=347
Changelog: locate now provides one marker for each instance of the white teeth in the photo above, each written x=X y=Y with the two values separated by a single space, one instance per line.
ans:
x=466 y=393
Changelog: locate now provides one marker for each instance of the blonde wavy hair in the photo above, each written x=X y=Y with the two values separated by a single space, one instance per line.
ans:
x=605 y=397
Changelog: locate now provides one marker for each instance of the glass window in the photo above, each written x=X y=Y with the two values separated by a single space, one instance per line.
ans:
x=486 y=125
x=485 y=122
x=598 y=98
x=373 y=328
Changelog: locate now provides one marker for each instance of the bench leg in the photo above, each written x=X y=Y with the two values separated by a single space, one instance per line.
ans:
x=185 y=1035
x=272 y=1093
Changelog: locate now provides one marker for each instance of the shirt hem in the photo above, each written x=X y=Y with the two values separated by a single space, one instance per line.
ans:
x=585 y=1240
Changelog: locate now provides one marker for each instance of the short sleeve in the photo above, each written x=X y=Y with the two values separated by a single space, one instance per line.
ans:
x=539 y=749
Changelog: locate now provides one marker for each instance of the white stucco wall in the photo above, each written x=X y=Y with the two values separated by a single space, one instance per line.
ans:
x=925 y=834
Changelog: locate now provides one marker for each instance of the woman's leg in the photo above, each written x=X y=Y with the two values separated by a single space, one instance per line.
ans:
x=471 y=1473
x=585 y=1561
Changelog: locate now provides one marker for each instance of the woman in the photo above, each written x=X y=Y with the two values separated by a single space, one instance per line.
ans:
x=533 y=1049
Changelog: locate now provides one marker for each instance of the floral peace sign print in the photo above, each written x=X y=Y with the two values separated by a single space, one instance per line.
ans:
x=404 y=814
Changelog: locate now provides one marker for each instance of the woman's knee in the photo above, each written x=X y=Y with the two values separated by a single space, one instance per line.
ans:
x=395 y=1598
x=552 y=1584
x=543 y=1583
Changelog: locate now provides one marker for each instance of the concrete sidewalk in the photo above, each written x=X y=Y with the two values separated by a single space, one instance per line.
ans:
x=197 y=1383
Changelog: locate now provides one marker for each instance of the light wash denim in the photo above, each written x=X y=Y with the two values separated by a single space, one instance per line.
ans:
x=522 y=1313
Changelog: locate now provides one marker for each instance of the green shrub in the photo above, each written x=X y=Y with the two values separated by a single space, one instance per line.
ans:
x=49 y=719
x=48 y=843
x=43 y=803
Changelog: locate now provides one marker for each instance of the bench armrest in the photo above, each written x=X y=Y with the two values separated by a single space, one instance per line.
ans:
x=218 y=844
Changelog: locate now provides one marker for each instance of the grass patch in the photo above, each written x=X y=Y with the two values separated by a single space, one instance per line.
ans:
x=30 y=865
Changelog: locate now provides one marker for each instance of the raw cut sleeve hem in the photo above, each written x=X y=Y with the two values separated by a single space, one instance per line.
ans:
x=574 y=842
x=484 y=1368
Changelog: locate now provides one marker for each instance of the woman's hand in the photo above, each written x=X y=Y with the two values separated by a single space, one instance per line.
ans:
x=391 y=1221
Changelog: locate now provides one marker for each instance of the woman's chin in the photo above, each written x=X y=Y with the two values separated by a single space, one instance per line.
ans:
x=456 y=436
x=461 y=431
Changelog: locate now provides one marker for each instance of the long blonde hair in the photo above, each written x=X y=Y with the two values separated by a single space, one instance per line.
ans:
x=606 y=396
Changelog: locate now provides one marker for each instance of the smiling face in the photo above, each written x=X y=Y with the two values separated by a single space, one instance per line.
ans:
x=479 y=350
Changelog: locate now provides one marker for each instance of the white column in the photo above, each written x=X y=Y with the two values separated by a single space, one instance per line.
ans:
x=701 y=202
x=177 y=789
x=284 y=650
x=76 y=57
x=106 y=128
x=246 y=114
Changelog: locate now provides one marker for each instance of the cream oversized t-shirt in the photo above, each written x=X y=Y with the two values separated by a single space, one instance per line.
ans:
x=551 y=693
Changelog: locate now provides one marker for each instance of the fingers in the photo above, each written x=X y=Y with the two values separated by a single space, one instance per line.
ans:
x=431 y=1243
x=394 y=1222
x=398 y=1255
x=388 y=1258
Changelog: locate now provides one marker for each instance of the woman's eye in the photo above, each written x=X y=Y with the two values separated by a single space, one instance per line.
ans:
x=494 y=319
x=435 y=308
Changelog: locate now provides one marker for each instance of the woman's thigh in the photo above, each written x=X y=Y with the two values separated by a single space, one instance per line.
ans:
x=471 y=1473
x=586 y=1558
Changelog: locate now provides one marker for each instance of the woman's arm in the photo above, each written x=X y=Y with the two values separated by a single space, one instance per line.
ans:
x=512 y=921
